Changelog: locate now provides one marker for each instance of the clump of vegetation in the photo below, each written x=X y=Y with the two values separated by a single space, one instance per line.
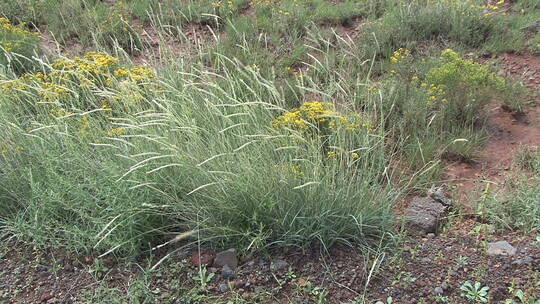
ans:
x=280 y=92
x=464 y=86
x=17 y=46
x=470 y=23
x=70 y=85
x=213 y=184
x=515 y=207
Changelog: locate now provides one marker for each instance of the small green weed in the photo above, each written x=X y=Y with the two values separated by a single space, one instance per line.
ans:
x=476 y=292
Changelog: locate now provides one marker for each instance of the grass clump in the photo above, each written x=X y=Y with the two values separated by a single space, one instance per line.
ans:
x=57 y=187
x=518 y=210
x=436 y=107
x=516 y=206
x=411 y=24
x=17 y=46
x=128 y=157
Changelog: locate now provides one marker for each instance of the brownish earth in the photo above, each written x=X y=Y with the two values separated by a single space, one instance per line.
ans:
x=435 y=262
x=410 y=276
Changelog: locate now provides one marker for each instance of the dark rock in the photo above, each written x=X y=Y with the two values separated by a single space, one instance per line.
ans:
x=524 y=261
x=227 y=272
x=227 y=257
x=501 y=248
x=424 y=215
x=278 y=265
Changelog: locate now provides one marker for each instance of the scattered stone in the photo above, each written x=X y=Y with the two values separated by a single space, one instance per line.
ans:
x=424 y=215
x=431 y=235
x=425 y=260
x=227 y=257
x=501 y=248
x=438 y=290
x=437 y=193
x=46 y=297
x=279 y=264
x=223 y=287
x=227 y=272
x=524 y=261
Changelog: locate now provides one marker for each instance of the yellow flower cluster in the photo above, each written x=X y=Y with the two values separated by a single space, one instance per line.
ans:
x=436 y=92
x=455 y=72
x=13 y=37
x=311 y=113
x=70 y=77
x=229 y=4
x=400 y=54
x=335 y=155
x=94 y=63
x=6 y=148
x=7 y=27
x=116 y=131
x=274 y=5
x=316 y=115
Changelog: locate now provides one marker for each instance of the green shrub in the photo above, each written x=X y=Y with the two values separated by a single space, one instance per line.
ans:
x=17 y=46
x=410 y=24
x=464 y=86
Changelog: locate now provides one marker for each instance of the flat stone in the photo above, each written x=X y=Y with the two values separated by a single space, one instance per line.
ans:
x=227 y=257
x=501 y=248
x=424 y=215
